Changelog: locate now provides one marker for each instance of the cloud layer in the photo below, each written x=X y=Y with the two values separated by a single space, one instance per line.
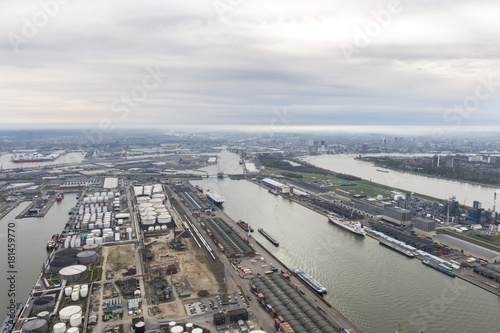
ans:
x=223 y=62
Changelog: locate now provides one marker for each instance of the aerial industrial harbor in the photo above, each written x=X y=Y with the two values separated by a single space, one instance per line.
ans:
x=162 y=249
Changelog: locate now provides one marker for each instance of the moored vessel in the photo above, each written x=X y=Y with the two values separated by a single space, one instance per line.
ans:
x=245 y=226
x=315 y=285
x=396 y=248
x=269 y=237
x=51 y=244
x=59 y=196
x=352 y=226
x=215 y=197
x=446 y=271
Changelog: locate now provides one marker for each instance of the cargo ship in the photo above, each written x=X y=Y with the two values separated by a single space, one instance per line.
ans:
x=11 y=319
x=380 y=170
x=439 y=268
x=215 y=197
x=51 y=244
x=59 y=196
x=245 y=226
x=315 y=285
x=354 y=227
x=269 y=237
x=396 y=248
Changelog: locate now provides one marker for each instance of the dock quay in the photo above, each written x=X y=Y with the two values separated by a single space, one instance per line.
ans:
x=252 y=269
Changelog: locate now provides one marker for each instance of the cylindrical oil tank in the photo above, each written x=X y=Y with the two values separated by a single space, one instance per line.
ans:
x=171 y=324
x=75 y=296
x=59 y=263
x=86 y=257
x=198 y=330
x=84 y=291
x=75 y=320
x=66 y=253
x=188 y=327
x=73 y=330
x=73 y=273
x=92 y=247
x=140 y=327
x=68 y=291
x=59 y=328
x=43 y=314
x=177 y=329
x=36 y=326
x=164 y=218
x=254 y=331
x=67 y=312
x=45 y=303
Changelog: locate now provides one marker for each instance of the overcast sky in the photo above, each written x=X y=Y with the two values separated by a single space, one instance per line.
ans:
x=123 y=64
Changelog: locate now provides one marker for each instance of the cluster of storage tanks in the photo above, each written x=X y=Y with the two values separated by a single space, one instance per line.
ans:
x=181 y=328
x=76 y=292
x=70 y=320
x=97 y=216
x=151 y=206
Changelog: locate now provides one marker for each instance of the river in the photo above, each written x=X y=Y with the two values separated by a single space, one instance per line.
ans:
x=31 y=235
x=465 y=192
x=374 y=287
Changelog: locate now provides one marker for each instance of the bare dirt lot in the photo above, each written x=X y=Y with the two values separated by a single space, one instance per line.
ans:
x=119 y=259
x=193 y=274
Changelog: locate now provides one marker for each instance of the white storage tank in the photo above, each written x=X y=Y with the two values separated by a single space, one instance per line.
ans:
x=75 y=296
x=84 y=292
x=73 y=330
x=67 y=312
x=171 y=324
x=59 y=328
x=98 y=240
x=197 y=330
x=177 y=329
x=189 y=327
x=68 y=291
x=117 y=237
x=75 y=320
x=164 y=218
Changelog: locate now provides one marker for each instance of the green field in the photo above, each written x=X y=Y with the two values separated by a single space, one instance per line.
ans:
x=494 y=241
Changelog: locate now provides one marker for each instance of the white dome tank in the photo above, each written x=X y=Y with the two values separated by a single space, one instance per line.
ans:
x=59 y=328
x=75 y=320
x=177 y=329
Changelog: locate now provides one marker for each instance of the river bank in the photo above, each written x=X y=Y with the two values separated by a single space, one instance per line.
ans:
x=375 y=164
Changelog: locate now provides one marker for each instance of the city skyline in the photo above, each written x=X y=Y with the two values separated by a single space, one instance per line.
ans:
x=235 y=63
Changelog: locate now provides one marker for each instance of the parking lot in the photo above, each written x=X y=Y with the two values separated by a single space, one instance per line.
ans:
x=203 y=305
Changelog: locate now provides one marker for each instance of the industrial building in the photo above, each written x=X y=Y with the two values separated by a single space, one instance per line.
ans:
x=397 y=215
x=423 y=226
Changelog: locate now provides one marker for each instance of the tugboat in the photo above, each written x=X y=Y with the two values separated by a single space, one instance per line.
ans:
x=59 y=196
